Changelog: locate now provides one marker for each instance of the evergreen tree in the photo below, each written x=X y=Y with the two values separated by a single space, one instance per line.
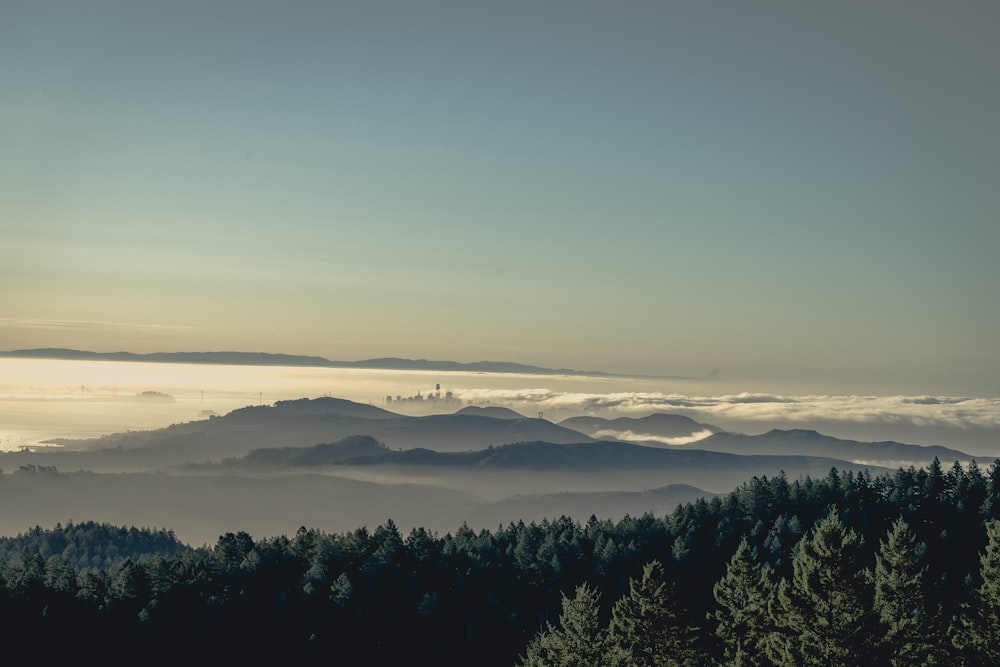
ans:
x=646 y=628
x=541 y=651
x=578 y=641
x=900 y=600
x=989 y=591
x=823 y=614
x=975 y=630
x=60 y=577
x=742 y=621
x=991 y=504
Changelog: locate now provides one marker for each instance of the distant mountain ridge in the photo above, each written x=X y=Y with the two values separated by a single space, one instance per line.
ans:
x=666 y=428
x=681 y=433
x=348 y=448
x=597 y=466
x=590 y=455
x=536 y=455
x=259 y=468
x=491 y=411
x=230 y=358
x=807 y=442
x=306 y=422
x=294 y=423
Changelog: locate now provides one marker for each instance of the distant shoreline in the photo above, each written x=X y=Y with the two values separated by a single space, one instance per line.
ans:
x=227 y=358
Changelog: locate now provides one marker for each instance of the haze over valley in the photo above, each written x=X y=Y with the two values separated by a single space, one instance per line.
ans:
x=539 y=448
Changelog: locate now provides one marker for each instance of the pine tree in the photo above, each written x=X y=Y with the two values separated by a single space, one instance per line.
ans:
x=974 y=632
x=646 y=629
x=989 y=591
x=823 y=614
x=541 y=650
x=742 y=620
x=578 y=641
x=900 y=600
x=991 y=505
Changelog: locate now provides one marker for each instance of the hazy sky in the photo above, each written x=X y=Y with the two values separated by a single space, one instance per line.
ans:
x=801 y=191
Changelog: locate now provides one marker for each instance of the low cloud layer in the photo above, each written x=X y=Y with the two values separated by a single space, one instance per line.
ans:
x=632 y=436
x=921 y=411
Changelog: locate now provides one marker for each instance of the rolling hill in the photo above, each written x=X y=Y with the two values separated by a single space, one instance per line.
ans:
x=660 y=427
x=811 y=443
x=297 y=423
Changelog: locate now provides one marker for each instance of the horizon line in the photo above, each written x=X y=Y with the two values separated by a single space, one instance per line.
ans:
x=240 y=358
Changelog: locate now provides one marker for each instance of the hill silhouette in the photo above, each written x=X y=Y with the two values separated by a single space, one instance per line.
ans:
x=494 y=411
x=598 y=456
x=652 y=427
x=229 y=358
x=811 y=443
x=352 y=447
x=296 y=423
x=336 y=463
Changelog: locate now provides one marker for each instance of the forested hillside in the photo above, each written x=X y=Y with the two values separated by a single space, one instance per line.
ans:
x=849 y=569
x=91 y=544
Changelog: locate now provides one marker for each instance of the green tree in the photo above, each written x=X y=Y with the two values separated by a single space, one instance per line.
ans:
x=232 y=549
x=92 y=585
x=60 y=576
x=341 y=591
x=387 y=543
x=646 y=628
x=25 y=576
x=742 y=620
x=578 y=641
x=128 y=588
x=542 y=650
x=989 y=590
x=975 y=630
x=823 y=614
x=900 y=600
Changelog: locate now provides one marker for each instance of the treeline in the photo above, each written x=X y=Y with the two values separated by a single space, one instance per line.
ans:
x=498 y=597
x=91 y=544
x=833 y=612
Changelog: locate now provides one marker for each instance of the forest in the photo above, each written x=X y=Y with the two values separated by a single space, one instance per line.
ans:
x=846 y=569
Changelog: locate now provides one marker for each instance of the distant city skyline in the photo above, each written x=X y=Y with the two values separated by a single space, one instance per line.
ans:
x=803 y=195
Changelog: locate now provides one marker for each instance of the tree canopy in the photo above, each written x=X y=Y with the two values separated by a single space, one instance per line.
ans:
x=858 y=569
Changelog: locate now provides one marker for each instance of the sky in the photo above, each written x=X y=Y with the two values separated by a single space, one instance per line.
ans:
x=792 y=192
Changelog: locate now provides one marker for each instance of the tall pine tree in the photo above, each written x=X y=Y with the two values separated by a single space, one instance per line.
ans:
x=823 y=614
x=578 y=641
x=900 y=601
x=646 y=627
x=974 y=632
x=742 y=621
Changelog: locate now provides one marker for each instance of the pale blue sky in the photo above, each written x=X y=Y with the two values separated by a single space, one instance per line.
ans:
x=785 y=190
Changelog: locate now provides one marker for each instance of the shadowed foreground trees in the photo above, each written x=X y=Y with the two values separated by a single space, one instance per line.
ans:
x=976 y=628
x=897 y=569
x=833 y=611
